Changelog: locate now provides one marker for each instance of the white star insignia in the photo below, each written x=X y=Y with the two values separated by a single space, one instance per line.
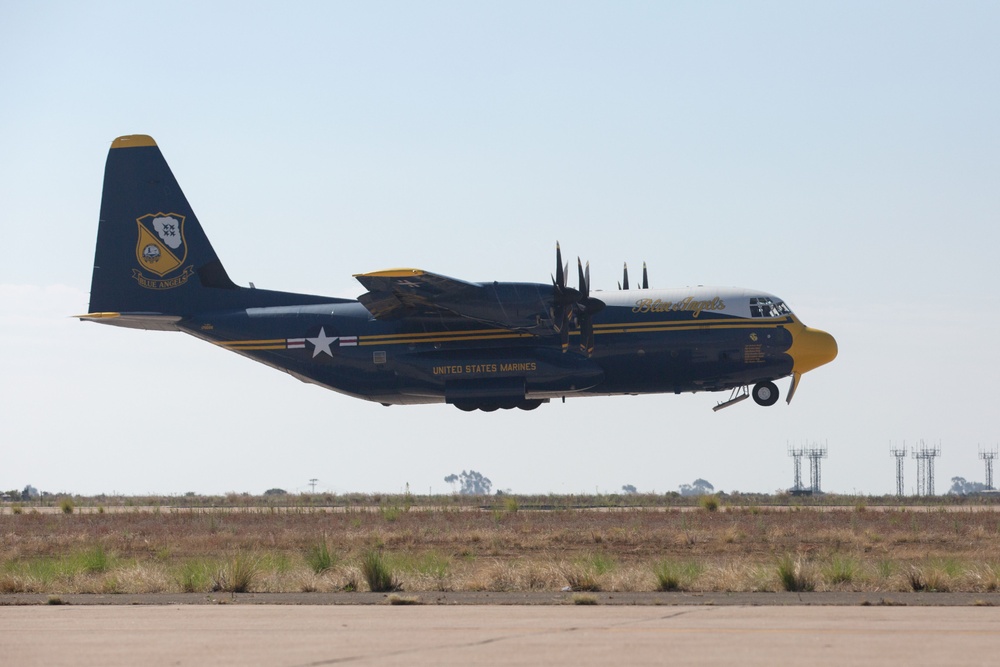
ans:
x=322 y=343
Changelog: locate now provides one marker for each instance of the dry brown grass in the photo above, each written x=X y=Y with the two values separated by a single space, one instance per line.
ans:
x=460 y=548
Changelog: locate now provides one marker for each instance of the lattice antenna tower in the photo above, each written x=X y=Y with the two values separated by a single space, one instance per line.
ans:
x=815 y=454
x=925 y=468
x=900 y=454
x=987 y=455
x=796 y=454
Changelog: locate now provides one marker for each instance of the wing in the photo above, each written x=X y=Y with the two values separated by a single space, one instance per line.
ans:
x=400 y=293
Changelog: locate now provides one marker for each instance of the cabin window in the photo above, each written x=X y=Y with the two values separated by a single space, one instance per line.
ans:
x=764 y=306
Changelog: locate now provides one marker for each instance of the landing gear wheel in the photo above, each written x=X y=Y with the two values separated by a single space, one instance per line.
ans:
x=765 y=393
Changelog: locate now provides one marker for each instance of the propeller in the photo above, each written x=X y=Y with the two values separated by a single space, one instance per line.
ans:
x=645 y=278
x=562 y=300
x=574 y=307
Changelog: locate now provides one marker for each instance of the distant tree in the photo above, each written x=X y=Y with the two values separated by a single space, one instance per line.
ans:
x=961 y=487
x=698 y=487
x=629 y=489
x=472 y=483
x=275 y=492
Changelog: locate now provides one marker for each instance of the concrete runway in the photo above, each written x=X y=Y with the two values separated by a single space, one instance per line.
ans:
x=224 y=634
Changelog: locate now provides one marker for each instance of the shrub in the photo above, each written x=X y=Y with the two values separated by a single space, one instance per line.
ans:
x=674 y=576
x=601 y=563
x=95 y=560
x=377 y=573
x=238 y=574
x=840 y=570
x=389 y=512
x=581 y=579
x=319 y=558
x=66 y=505
x=793 y=576
x=193 y=577
x=709 y=503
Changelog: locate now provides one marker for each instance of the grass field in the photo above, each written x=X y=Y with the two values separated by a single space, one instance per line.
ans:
x=506 y=543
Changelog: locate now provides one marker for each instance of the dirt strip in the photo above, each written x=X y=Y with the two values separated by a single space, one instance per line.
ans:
x=839 y=599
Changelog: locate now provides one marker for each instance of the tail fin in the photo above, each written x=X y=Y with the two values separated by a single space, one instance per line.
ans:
x=154 y=265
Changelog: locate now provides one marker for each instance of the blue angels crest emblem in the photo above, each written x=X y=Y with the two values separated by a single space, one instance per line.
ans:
x=161 y=248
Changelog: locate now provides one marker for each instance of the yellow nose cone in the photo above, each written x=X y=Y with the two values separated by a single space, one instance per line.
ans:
x=811 y=348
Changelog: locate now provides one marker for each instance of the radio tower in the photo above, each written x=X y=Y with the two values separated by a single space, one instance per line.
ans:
x=900 y=454
x=796 y=455
x=925 y=468
x=987 y=455
x=815 y=454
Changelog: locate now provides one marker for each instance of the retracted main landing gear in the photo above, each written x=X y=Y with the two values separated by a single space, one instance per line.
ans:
x=764 y=393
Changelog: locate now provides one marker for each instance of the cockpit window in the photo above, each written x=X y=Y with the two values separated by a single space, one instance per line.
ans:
x=764 y=306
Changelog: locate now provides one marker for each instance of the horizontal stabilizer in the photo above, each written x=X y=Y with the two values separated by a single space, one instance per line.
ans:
x=147 y=321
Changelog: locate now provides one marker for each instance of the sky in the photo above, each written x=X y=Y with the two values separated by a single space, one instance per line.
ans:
x=843 y=156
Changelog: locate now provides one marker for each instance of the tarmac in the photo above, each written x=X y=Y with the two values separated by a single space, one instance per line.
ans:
x=481 y=629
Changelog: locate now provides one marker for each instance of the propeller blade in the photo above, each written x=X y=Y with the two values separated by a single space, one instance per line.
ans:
x=560 y=278
x=792 y=387
x=624 y=283
x=645 y=277
x=564 y=329
x=587 y=335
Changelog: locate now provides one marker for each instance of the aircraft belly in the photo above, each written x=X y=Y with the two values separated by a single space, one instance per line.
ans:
x=495 y=373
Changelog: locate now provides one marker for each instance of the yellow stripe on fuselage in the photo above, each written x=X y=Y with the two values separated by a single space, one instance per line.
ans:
x=439 y=338
x=475 y=335
x=610 y=328
x=267 y=344
x=236 y=348
x=687 y=325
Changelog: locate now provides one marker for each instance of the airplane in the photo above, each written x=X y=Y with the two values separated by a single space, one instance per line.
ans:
x=416 y=337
